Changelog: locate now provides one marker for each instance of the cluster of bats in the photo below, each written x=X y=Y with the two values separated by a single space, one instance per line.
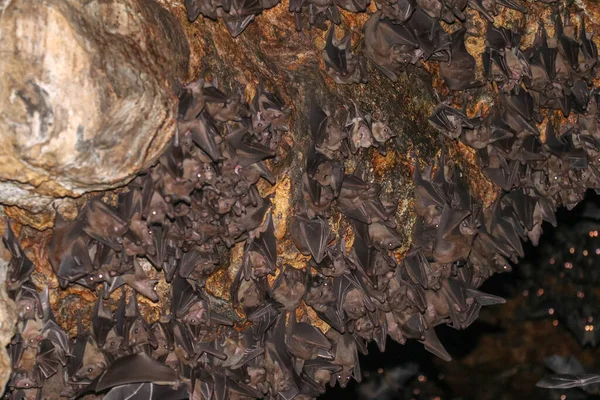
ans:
x=400 y=33
x=535 y=175
x=202 y=197
x=238 y=14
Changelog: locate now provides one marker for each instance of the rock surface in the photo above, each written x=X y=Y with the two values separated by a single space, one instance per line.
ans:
x=87 y=95
x=8 y=318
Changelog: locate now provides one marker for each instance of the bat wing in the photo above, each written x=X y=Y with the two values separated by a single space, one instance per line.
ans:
x=433 y=345
x=204 y=133
x=308 y=334
x=76 y=265
x=589 y=48
x=47 y=359
x=416 y=266
x=188 y=262
x=455 y=292
x=334 y=56
x=397 y=34
x=262 y=318
x=450 y=221
x=564 y=365
x=267 y=242
x=20 y=266
x=146 y=391
x=159 y=236
x=317 y=118
x=193 y=9
x=484 y=299
x=332 y=316
x=135 y=368
x=184 y=296
x=313 y=235
x=247 y=153
x=567 y=381
x=102 y=321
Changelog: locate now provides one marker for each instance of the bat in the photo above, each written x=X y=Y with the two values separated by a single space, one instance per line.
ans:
x=262 y=317
x=278 y=359
x=101 y=222
x=488 y=9
x=567 y=381
x=20 y=266
x=203 y=132
x=340 y=63
x=360 y=201
x=400 y=11
x=450 y=244
x=289 y=287
x=140 y=282
x=383 y=237
x=351 y=296
x=382 y=133
x=345 y=355
x=328 y=137
x=311 y=236
x=305 y=341
x=322 y=297
x=102 y=321
x=268 y=111
x=359 y=133
x=391 y=47
x=29 y=304
x=241 y=349
x=326 y=172
x=449 y=121
x=261 y=252
x=459 y=72
x=434 y=43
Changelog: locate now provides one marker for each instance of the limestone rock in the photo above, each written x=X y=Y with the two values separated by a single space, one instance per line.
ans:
x=87 y=95
x=8 y=318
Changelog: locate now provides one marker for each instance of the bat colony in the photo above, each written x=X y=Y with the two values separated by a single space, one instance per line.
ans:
x=202 y=197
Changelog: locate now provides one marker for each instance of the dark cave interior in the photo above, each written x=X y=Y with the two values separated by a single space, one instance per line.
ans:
x=551 y=305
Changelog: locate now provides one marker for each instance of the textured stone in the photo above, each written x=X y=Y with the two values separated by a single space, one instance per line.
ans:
x=8 y=317
x=87 y=95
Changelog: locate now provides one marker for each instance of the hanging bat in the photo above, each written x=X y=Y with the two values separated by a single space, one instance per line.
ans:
x=20 y=266
x=289 y=287
x=102 y=321
x=459 y=71
x=29 y=304
x=311 y=236
x=434 y=43
x=340 y=63
x=305 y=341
x=359 y=133
x=322 y=297
x=391 y=47
x=327 y=135
x=101 y=222
x=346 y=355
x=327 y=172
